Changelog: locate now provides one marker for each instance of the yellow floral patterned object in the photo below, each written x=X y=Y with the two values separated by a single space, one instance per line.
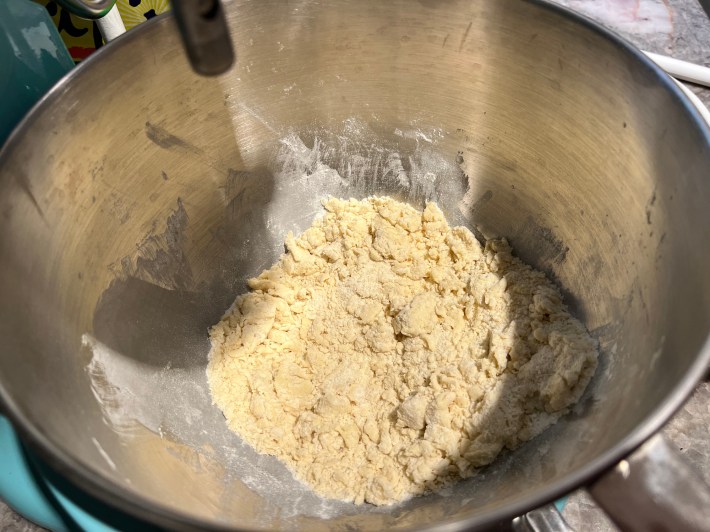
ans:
x=133 y=12
x=80 y=36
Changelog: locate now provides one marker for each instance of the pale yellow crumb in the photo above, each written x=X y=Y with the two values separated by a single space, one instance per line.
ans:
x=387 y=354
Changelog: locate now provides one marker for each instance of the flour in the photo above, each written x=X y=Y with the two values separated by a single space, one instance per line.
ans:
x=387 y=354
x=307 y=167
x=132 y=393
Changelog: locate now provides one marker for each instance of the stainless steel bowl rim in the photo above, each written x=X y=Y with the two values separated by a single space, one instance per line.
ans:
x=116 y=496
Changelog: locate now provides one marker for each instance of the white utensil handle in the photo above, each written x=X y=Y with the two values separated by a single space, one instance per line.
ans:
x=111 y=24
x=682 y=69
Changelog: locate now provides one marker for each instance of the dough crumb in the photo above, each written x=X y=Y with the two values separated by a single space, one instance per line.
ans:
x=387 y=354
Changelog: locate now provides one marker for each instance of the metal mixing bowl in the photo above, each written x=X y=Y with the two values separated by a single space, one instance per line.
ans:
x=137 y=197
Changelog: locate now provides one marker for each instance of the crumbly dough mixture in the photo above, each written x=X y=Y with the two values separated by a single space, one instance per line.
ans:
x=387 y=354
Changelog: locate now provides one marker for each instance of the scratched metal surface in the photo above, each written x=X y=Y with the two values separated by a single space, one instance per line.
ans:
x=673 y=27
x=678 y=28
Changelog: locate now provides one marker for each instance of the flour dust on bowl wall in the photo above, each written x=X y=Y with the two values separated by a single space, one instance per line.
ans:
x=148 y=217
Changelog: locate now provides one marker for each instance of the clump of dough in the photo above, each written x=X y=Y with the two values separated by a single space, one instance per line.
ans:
x=387 y=354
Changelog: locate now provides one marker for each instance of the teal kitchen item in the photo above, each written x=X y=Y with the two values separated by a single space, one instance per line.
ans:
x=32 y=58
x=47 y=499
x=18 y=486
x=92 y=9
